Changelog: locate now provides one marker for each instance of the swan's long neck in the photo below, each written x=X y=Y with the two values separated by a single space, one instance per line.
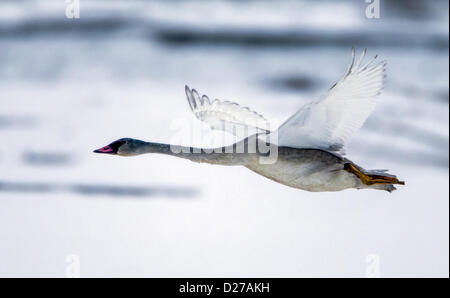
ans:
x=150 y=147
x=213 y=156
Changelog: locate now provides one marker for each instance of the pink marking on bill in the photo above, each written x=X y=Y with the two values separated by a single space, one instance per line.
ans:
x=106 y=149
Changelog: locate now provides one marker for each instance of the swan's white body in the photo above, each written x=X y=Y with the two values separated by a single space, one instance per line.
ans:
x=311 y=170
x=294 y=175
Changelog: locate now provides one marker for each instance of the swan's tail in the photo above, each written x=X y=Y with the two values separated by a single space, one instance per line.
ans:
x=377 y=179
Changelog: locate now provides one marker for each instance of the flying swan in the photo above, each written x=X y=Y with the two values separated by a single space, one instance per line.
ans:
x=309 y=146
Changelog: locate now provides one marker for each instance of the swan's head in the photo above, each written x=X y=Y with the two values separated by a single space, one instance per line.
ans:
x=123 y=147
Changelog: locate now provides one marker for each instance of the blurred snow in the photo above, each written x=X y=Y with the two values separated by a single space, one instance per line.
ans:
x=70 y=86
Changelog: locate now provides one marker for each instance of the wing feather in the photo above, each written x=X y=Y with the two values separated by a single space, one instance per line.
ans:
x=329 y=122
x=225 y=115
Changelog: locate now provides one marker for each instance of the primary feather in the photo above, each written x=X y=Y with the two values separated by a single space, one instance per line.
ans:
x=330 y=122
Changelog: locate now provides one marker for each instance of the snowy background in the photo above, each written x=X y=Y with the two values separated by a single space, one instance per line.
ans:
x=68 y=86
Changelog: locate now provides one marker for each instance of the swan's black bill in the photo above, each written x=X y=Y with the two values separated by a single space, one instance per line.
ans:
x=112 y=148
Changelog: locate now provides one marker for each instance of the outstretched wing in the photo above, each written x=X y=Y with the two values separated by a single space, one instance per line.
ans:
x=225 y=115
x=330 y=122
